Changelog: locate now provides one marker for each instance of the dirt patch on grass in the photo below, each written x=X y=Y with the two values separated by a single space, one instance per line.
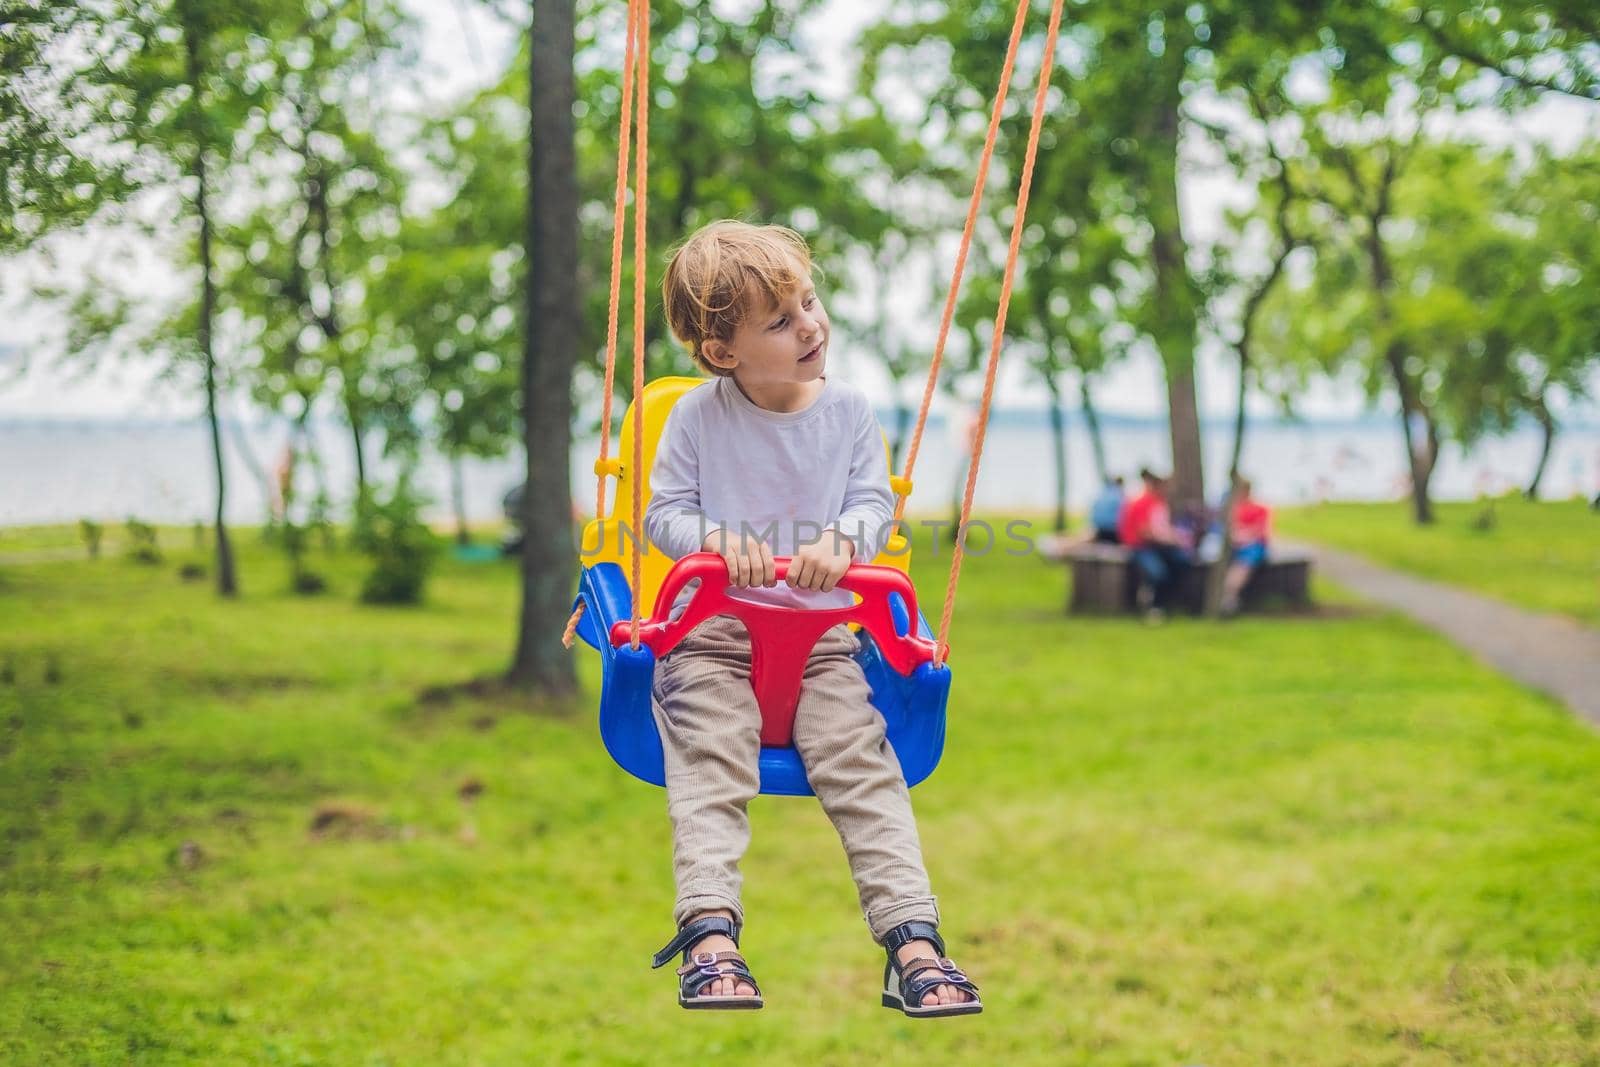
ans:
x=349 y=822
x=490 y=689
x=493 y=694
x=240 y=684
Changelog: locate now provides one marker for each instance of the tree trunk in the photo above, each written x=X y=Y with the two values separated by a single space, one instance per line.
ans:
x=902 y=431
x=1247 y=322
x=1238 y=414
x=1058 y=441
x=458 y=499
x=550 y=342
x=1420 y=455
x=360 y=451
x=1548 y=424
x=227 y=585
x=1217 y=571
x=1091 y=418
x=1175 y=298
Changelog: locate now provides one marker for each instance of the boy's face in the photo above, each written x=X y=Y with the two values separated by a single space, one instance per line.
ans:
x=780 y=346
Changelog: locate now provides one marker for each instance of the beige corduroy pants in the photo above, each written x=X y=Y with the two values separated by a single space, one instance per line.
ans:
x=710 y=733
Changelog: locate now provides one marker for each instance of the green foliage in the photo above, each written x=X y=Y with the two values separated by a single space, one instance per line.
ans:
x=401 y=547
x=319 y=517
x=143 y=546
x=296 y=267
x=49 y=178
x=732 y=134
x=301 y=579
x=1491 y=303
x=1534 y=47
x=92 y=532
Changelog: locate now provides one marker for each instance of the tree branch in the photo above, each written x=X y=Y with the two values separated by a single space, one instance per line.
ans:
x=1477 y=57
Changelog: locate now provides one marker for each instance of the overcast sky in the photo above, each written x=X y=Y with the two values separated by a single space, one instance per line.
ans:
x=463 y=48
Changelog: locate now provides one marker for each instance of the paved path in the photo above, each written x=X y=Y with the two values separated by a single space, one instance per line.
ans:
x=1556 y=655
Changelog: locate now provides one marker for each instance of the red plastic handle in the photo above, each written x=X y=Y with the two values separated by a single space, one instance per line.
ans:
x=781 y=638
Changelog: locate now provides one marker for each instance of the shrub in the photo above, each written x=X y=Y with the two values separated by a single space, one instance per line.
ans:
x=320 y=519
x=400 y=545
x=143 y=538
x=302 y=579
x=91 y=531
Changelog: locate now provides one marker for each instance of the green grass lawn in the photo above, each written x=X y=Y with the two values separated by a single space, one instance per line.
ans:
x=1544 y=556
x=255 y=833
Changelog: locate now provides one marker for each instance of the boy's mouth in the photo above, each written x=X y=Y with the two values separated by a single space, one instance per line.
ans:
x=813 y=354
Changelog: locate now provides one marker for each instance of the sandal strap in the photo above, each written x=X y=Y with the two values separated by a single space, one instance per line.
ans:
x=923 y=974
x=905 y=933
x=692 y=933
x=711 y=959
x=704 y=968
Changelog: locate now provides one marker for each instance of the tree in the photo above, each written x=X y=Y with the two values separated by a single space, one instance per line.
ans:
x=1511 y=272
x=551 y=333
x=449 y=314
x=1106 y=188
x=1349 y=314
x=326 y=209
x=1560 y=332
x=1233 y=281
x=48 y=178
x=172 y=85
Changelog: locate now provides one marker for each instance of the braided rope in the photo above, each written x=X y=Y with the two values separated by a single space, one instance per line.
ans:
x=640 y=198
x=997 y=340
x=961 y=256
x=572 y=626
x=618 y=222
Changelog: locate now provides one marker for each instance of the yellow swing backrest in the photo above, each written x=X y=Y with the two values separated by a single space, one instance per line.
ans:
x=613 y=540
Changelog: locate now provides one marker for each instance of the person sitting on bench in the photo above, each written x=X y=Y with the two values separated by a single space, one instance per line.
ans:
x=1106 y=512
x=1251 y=524
x=1146 y=528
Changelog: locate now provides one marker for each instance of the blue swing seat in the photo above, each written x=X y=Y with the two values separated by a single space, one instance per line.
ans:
x=912 y=706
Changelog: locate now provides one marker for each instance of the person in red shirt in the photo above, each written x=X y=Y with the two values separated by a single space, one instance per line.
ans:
x=1250 y=526
x=1158 y=555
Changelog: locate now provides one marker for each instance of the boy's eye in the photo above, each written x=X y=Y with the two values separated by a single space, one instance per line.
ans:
x=779 y=324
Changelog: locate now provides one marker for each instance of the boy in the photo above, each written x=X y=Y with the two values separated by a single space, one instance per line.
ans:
x=771 y=459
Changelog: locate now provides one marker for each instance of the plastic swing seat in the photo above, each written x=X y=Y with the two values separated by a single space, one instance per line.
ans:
x=896 y=642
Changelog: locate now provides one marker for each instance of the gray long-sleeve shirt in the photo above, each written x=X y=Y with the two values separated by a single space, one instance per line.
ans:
x=785 y=477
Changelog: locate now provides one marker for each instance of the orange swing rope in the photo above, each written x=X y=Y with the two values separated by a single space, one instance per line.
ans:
x=635 y=98
x=997 y=337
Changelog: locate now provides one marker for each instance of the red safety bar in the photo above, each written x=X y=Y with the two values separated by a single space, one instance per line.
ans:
x=781 y=638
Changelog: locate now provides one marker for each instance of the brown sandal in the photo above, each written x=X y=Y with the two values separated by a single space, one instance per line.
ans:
x=700 y=969
x=904 y=985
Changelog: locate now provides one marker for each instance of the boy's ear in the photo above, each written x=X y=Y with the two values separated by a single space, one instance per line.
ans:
x=718 y=354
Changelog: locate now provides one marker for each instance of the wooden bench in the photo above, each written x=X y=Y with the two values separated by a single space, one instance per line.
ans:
x=1104 y=581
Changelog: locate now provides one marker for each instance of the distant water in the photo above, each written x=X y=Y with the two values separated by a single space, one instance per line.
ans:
x=61 y=470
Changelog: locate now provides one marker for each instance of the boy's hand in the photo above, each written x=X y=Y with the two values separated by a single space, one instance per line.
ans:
x=821 y=564
x=749 y=560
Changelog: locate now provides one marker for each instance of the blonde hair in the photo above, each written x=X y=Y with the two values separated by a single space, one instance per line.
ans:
x=725 y=272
